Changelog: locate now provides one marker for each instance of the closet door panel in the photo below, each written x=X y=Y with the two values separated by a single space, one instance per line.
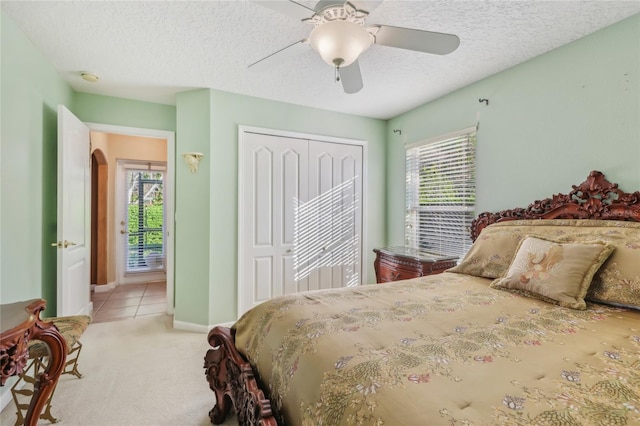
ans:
x=273 y=175
x=335 y=180
x=262 y=189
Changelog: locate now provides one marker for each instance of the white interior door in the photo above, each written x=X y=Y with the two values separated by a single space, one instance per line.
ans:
x=299 y=202
x=74 y=220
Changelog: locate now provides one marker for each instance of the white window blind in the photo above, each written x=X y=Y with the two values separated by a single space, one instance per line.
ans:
x=441 y=193
x=145 y=242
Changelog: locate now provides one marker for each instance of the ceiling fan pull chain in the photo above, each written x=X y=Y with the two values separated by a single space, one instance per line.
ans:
x=337 y=73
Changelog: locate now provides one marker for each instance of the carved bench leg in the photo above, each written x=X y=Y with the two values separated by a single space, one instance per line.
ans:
x=21 y=407
x=73 y=362
x=38 y=365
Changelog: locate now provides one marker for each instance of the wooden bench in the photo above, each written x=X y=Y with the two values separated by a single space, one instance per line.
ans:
x=71 y=328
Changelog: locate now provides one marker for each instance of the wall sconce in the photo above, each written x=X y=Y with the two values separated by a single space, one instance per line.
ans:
x=193 y=160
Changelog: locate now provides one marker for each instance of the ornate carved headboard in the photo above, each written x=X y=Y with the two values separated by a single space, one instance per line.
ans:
x=595 y=198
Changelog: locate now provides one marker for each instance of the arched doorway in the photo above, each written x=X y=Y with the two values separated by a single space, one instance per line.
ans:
x=99 y=194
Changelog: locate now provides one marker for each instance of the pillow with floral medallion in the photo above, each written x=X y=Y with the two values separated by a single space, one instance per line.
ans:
x=557 y=272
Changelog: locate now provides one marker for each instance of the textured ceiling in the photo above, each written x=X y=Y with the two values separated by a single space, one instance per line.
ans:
x=152 y=50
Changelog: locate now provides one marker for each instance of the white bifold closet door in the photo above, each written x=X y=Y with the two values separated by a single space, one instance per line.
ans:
x=300 y=216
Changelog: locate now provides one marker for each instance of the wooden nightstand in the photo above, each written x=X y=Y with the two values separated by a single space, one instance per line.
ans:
x=402 y=263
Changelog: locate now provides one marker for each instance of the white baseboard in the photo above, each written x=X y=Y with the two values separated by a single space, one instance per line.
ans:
x=143 y=277
x=198 y=328
x=88 y=310
x=103 y=288
x=188 y=326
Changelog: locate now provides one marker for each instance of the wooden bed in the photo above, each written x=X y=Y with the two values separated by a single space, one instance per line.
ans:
x=454 y=375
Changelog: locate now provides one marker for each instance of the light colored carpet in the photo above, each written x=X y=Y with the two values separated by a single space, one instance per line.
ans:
x=136 y=371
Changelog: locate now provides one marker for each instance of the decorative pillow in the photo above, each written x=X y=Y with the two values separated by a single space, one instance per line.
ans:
x=557 y=272
x=616 y=283
x=491 y=253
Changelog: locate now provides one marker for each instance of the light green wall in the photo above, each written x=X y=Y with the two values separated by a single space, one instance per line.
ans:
x=30 y=89
x=123 y=112
x=193 y=199
x=549 y=122
x=228 y=111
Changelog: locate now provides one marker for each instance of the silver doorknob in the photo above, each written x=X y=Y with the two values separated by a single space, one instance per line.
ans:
x=64 y=244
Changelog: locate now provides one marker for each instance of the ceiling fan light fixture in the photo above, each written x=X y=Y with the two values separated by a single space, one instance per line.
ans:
x=340 y=43
x=340 y=36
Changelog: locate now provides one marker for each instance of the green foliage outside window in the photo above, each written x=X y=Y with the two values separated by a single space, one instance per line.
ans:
x=441 y=189
x=152 y=218
x=145 y=228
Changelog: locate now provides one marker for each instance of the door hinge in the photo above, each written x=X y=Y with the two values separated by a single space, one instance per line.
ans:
x=90 y=151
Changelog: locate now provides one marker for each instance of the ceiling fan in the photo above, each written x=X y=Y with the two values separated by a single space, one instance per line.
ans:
x=340 y=37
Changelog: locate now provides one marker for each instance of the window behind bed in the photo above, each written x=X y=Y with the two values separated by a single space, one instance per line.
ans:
x=441 y=192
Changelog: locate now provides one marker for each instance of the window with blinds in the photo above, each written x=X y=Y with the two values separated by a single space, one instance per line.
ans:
x=441 y=193
x=145 y=243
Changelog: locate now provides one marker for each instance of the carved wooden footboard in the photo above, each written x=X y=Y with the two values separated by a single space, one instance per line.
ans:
x=232 y=380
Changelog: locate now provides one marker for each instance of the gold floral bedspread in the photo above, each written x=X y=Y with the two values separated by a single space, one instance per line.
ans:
x=443 y=350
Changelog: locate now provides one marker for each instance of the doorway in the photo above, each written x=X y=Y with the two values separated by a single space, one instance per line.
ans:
x=140 y=215
x=99 y=192
x=144 y=149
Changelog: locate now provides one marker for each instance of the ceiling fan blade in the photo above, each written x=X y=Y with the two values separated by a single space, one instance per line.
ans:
x=368 y=5
x=351 y=78
x=289 y=7
x=421 y=41
x=280 y=56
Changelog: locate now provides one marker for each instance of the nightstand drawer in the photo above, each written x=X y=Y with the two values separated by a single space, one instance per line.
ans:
x=403 y=263
x=389 y=272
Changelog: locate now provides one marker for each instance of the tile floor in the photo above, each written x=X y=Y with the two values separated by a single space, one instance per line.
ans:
x=130 y=301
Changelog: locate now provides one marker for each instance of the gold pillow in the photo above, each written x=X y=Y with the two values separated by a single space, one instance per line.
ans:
x=557 y=272
x=492 y=252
